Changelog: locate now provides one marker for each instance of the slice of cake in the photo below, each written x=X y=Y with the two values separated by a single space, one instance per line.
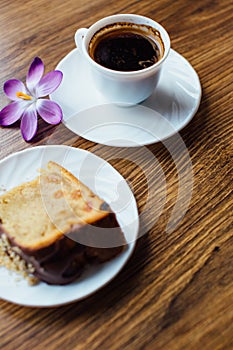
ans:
x=53 y=226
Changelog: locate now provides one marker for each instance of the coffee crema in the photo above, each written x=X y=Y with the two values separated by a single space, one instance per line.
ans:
x=126 y=47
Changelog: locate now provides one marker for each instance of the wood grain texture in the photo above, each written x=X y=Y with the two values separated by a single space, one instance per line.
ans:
x=176 y=292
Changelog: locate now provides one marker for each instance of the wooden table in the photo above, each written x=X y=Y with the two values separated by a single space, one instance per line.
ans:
x=176 y=292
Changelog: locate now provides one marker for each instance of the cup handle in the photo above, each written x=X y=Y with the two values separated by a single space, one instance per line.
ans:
x=79 y=35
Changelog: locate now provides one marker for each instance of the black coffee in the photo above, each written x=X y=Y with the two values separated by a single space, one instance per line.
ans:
x=124 y=49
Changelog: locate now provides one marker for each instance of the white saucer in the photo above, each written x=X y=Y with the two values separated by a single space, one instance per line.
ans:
x=88 y=114
x=106 y=182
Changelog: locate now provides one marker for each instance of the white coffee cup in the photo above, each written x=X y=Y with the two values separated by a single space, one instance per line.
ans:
x=124 y=87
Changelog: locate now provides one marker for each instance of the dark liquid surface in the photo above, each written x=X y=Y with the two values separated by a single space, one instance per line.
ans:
x=125 y=51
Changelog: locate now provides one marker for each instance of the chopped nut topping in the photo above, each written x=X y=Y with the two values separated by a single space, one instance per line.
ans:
x=10 y=258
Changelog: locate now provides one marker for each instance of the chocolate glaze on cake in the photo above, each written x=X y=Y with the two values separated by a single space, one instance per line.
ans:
x=64 y=260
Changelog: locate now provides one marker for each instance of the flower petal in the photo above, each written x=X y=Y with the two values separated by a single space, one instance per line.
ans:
x=12 y=86
x=35 y=74
x=12 y=112
x=49 y=111
x=29 y=123
x=49 y=83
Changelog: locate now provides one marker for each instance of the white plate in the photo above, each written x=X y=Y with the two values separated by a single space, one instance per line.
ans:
x=106 y=182
x=88 y=114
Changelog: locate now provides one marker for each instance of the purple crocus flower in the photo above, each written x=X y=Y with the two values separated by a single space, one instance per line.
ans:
x=27 y=102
